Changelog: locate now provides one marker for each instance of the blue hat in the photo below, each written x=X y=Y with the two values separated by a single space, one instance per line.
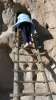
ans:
x=22 y=18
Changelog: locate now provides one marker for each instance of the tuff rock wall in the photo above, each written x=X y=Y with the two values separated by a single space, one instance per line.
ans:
x=43 y=14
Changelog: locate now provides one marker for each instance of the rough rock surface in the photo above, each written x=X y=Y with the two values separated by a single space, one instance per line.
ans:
x=43 y=14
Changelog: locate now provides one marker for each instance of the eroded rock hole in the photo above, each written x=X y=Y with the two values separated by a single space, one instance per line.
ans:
x=44 y=1
x=34 y=74
x=26 y=65
x=47 y=26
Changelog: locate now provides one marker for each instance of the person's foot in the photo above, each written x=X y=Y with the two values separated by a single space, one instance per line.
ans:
x=30 y=43
x=26 y=45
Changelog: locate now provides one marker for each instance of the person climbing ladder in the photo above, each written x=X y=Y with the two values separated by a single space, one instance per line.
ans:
x=27 y=27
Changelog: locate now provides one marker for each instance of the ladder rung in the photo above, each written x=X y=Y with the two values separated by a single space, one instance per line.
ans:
x=36 y=70
x=27 y=47
x=31 y=94
x=27 y=62
x=25 y=54
x=28 y=54
x=32 y=81
x=22 y=41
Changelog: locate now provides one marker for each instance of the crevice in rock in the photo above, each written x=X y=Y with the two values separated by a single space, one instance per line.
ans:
x=34 y=75
x=26 y=65
x=44 y=1
x=1 y=20
x=6 y=66
x=47 y=26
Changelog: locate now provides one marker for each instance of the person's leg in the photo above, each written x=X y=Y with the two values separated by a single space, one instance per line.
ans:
x=25 y=32
x=24 y=35
x=29 y=32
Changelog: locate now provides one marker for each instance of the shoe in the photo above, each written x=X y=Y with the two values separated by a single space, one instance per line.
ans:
x=30 y=43
x=26 y=45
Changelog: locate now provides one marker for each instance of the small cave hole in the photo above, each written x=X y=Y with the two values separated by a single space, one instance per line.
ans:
x=34 y=66
x=44 y=1
x=47 y=26
x=34 y=77
x=26 y=65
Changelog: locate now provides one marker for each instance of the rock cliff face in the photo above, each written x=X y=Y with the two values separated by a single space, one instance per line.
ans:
x=43 y=14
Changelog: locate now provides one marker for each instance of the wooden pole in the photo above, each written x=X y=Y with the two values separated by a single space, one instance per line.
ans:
x=16 y=89
x=43 y=73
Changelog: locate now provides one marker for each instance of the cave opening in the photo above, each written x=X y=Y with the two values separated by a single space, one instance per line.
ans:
x=22 y=10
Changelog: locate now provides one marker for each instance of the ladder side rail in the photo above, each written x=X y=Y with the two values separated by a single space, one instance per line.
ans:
x=16 y=86
x=42 y=68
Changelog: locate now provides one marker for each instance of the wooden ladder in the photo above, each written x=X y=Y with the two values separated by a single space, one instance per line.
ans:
x=16 y=84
